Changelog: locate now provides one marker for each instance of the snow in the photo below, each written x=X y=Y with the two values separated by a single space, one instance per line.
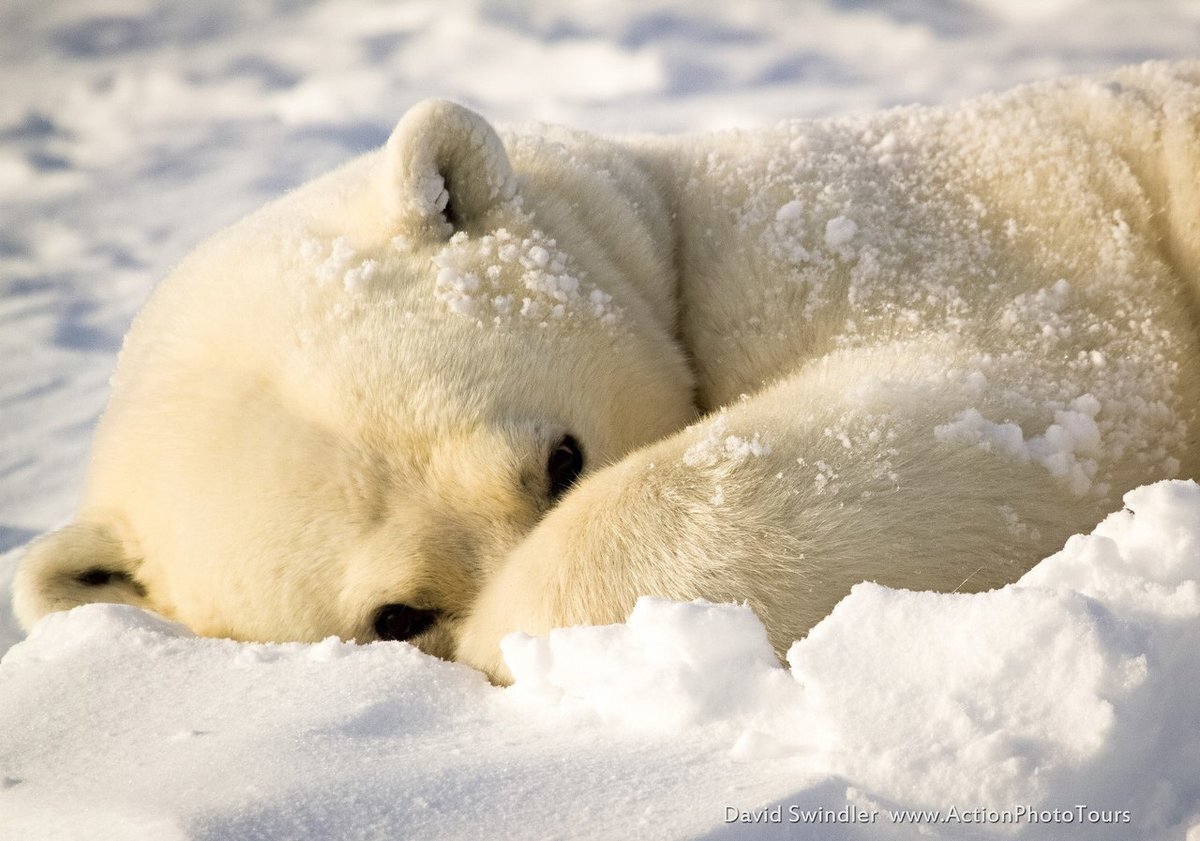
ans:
x=527 y=269
x=128 y=132
x=839 y=231
x=654 y=673
x=714 y=447
x=1074 y=433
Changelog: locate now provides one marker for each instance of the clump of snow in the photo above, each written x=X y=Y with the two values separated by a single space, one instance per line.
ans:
x=1039 y=308
x=433 y=195
x=338 y=261
x=1066 y=448
x=501 y=277
x=791 y=212
x=783 y=242
x=718 y=451
x=357 y=277
x=715 y=446
x=654 y=672
x=839 y=231
x=825 y=478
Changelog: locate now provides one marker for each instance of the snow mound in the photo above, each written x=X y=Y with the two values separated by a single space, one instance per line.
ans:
x=1142 y=563
x=671 y=666
x=1056 y=691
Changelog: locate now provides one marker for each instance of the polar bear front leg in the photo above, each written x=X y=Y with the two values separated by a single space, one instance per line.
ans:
x=784 y=501
x=610 y=541
x=659 y=523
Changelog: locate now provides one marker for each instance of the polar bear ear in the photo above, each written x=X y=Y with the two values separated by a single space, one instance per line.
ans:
x=444 y=168
x=78 y=564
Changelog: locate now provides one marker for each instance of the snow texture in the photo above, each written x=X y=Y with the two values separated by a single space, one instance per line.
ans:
x=1061 y=707
x=500 y=277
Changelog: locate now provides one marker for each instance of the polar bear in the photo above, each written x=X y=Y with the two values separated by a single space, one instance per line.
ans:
x=477 y=383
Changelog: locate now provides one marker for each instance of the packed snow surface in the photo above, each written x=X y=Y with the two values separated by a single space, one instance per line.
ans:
x=1060 y=707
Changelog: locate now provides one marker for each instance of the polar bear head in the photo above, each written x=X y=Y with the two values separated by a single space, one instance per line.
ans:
x=336 y=416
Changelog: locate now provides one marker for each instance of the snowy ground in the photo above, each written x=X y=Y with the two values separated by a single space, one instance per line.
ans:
x=130 y=129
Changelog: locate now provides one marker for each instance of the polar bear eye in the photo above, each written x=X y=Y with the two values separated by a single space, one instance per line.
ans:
x=564 y=466
x=401 y=622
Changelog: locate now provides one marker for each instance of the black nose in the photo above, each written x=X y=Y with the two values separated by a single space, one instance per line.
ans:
x=402 y=622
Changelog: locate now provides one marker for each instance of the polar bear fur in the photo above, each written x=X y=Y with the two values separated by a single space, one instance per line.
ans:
x=919 y=347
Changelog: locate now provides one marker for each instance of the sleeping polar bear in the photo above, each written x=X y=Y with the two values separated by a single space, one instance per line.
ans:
x=477 y=383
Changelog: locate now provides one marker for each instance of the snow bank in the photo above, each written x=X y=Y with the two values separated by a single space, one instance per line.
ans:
x=1061 y=706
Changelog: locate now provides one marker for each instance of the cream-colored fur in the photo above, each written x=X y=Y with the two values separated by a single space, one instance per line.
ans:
x=920 y=347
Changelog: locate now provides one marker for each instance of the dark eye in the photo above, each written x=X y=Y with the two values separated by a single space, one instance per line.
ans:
x=401 y=622
x=564 y=466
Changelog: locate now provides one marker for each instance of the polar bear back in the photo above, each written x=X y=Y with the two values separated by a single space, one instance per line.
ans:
x=1018 y=240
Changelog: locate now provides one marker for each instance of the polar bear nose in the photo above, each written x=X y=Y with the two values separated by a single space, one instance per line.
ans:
x=402 y=622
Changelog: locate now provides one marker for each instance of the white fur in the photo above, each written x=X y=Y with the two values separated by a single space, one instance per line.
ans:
x=924 y=346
